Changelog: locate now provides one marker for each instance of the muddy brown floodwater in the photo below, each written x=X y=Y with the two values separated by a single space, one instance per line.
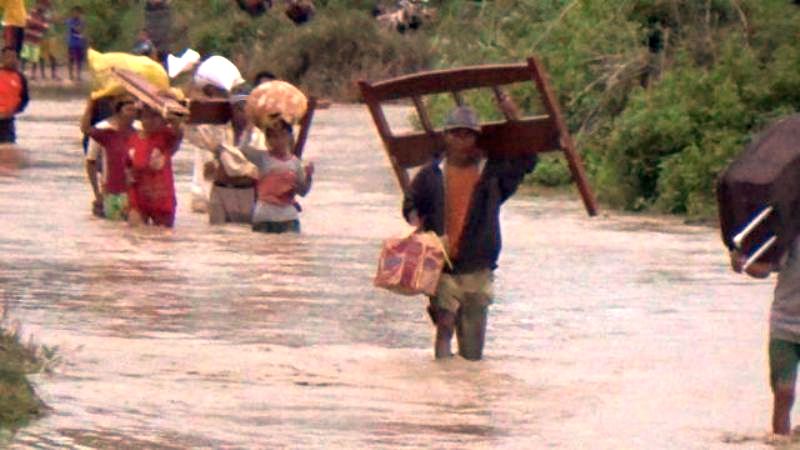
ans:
x=613 y=332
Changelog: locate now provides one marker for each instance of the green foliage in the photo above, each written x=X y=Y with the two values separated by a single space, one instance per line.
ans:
x=329 y=55
x=660 y=95
x=18 y=401
x=219 y=28
x=110 y=24
x=688 y=177
x=551 y=170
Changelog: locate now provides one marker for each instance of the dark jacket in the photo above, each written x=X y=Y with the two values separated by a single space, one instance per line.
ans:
x=480 y=241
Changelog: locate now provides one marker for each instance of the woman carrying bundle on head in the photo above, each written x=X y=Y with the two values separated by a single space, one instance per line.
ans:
x=273 y=107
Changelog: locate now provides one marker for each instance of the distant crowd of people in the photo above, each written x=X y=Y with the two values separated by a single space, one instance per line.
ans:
x=31 y=36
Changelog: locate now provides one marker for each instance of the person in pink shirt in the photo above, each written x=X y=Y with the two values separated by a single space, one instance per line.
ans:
x=152 y=188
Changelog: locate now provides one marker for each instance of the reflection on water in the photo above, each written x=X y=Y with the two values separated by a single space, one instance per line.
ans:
x=612 y=332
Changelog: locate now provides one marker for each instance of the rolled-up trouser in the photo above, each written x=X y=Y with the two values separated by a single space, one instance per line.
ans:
x=784 y=357
x=231 y=204
x=115 y=206
x=468 y=296
x=471 y=331
x=7 y=132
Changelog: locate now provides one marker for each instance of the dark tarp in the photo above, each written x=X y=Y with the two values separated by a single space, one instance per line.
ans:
x=766 y=173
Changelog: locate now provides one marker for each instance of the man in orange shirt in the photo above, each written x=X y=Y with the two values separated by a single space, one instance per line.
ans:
x=460 y=197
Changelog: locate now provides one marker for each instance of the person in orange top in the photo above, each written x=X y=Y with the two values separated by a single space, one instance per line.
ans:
x=460 y=197
x=13 y=94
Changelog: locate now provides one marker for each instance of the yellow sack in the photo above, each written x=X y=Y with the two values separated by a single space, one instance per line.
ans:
x=104 y=83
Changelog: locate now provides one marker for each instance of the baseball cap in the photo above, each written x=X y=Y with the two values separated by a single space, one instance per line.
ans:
x=462 y=117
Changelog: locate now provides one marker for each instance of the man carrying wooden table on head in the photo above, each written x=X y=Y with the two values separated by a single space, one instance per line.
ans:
x=460 y=197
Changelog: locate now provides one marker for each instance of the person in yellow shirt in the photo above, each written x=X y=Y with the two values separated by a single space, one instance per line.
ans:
x=15 y=16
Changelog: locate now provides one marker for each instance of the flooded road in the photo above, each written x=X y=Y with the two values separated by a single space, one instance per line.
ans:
x=612 y=332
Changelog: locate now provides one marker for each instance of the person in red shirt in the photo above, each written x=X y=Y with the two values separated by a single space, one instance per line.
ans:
x=111 y=149
x=152 y=190
x=13 y=94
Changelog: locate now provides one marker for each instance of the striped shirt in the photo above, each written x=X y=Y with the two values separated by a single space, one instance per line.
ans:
x=36 y=27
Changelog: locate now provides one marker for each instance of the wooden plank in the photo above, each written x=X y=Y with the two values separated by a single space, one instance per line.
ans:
x=518 y=138
x=305 y=126
x=499 y=96
x=149 y=94
x=499 y=139
x=450 y=80
x=573 y=158
x=208 y=110
x=427 y=125
x=386 y=135
x=412 y=150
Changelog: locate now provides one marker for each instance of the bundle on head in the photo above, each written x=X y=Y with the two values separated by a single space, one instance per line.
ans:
x=273 y=101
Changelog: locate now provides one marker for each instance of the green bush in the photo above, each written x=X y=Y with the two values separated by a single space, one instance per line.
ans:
x=18 y=401
x=111 y=25
x=552 y=170
x=329 y=55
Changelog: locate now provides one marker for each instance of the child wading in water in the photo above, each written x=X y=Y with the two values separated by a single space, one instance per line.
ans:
x=110 y=143
x=152 y=189
x=281 y=177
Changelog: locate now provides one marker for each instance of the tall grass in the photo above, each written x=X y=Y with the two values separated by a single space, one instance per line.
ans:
x=18 y=400
x=337 y=49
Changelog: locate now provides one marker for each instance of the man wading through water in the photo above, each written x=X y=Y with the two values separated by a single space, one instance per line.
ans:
x=459 y=197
